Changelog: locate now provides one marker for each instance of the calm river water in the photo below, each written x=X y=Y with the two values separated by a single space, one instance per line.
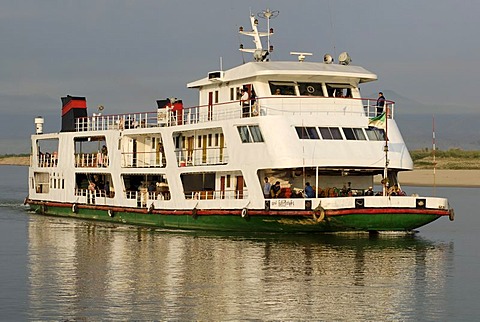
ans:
x=63 y=269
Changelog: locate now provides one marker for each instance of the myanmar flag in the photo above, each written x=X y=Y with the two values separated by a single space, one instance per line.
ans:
x=378 y=121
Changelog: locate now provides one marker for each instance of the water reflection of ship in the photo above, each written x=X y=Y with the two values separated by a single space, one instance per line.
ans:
x=148 y=274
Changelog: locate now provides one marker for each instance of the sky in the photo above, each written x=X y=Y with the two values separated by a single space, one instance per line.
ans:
x=126 y=54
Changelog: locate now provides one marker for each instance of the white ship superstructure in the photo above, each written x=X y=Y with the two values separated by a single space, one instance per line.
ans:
x=295 y=122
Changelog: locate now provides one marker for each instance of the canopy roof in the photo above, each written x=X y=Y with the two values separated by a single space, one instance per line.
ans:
x=284 y=68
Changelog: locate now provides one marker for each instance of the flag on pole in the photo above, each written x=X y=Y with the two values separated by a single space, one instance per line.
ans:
x=378 y=121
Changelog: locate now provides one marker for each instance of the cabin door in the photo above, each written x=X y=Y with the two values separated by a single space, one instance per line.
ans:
x=210 y=105
x=134 y=153
x=190 y=144
x=147 y=149
x=239 y=188
x=204 y=149
x=222 y=145
x=222 y=187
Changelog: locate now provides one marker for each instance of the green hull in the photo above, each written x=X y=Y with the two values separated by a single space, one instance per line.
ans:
x=288 y=223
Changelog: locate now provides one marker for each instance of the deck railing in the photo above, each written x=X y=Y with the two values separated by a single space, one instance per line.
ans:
x=91 y=160
x=259 y=107
x=217 y=194
x=143 y=160
x=200 y=156
x=144 y=196
x=47 y=160
x=93 y=195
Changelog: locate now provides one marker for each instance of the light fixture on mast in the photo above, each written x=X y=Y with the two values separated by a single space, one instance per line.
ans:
x=268 y=14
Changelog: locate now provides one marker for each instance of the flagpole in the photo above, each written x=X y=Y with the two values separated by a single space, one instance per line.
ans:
x=385 y=149
x=433 y=152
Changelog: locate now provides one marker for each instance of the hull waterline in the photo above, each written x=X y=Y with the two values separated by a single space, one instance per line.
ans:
x=304 y=221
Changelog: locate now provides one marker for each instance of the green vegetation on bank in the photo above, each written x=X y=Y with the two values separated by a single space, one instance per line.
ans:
x=3 y=156
x=453 y=159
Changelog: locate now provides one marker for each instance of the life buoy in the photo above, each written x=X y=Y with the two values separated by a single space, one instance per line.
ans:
x=451 y=214
x=111 y=213
x=245 y=213
x=74 y=208
x=319 y=214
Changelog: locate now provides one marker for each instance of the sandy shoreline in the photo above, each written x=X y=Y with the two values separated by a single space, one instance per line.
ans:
x=15 y=161
x=442 y=178
x=420 y=177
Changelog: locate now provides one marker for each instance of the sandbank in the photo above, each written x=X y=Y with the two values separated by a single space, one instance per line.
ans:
x=441 y=178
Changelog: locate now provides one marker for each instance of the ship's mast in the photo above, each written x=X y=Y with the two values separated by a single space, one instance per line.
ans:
x=259 y=54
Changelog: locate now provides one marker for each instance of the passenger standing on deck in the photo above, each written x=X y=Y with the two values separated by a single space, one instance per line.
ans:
x=266 y=188
x=380 y=103
x=245 y=103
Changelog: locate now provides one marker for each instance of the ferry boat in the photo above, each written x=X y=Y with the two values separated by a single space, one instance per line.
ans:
x=272 y=146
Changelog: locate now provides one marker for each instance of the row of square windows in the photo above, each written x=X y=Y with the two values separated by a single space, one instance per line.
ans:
x=252 y=133
x=334 y=133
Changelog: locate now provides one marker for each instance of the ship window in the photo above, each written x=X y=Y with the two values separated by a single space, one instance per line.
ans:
x=375 y=134
x=256 y=134
x=307 y=132
x=41 y=180
x=330 y=133
x=310 y=89
x=282 y=88
x=339 y=90
x=250 y=133
x=354 y=133
x=359 y=134
x=349 y=134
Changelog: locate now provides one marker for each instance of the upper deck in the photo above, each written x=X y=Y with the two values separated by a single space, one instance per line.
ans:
x=259 y=107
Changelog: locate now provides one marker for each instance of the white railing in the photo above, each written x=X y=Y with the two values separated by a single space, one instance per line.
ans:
x=197 y=157
x=143 y=160
x=47 y=160
x=144 y=196
x=262 y=106
x=93 y=195
x=91 y=160
x=217 y=194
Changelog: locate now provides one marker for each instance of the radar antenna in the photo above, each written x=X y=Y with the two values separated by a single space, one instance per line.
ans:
x=300 y=56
